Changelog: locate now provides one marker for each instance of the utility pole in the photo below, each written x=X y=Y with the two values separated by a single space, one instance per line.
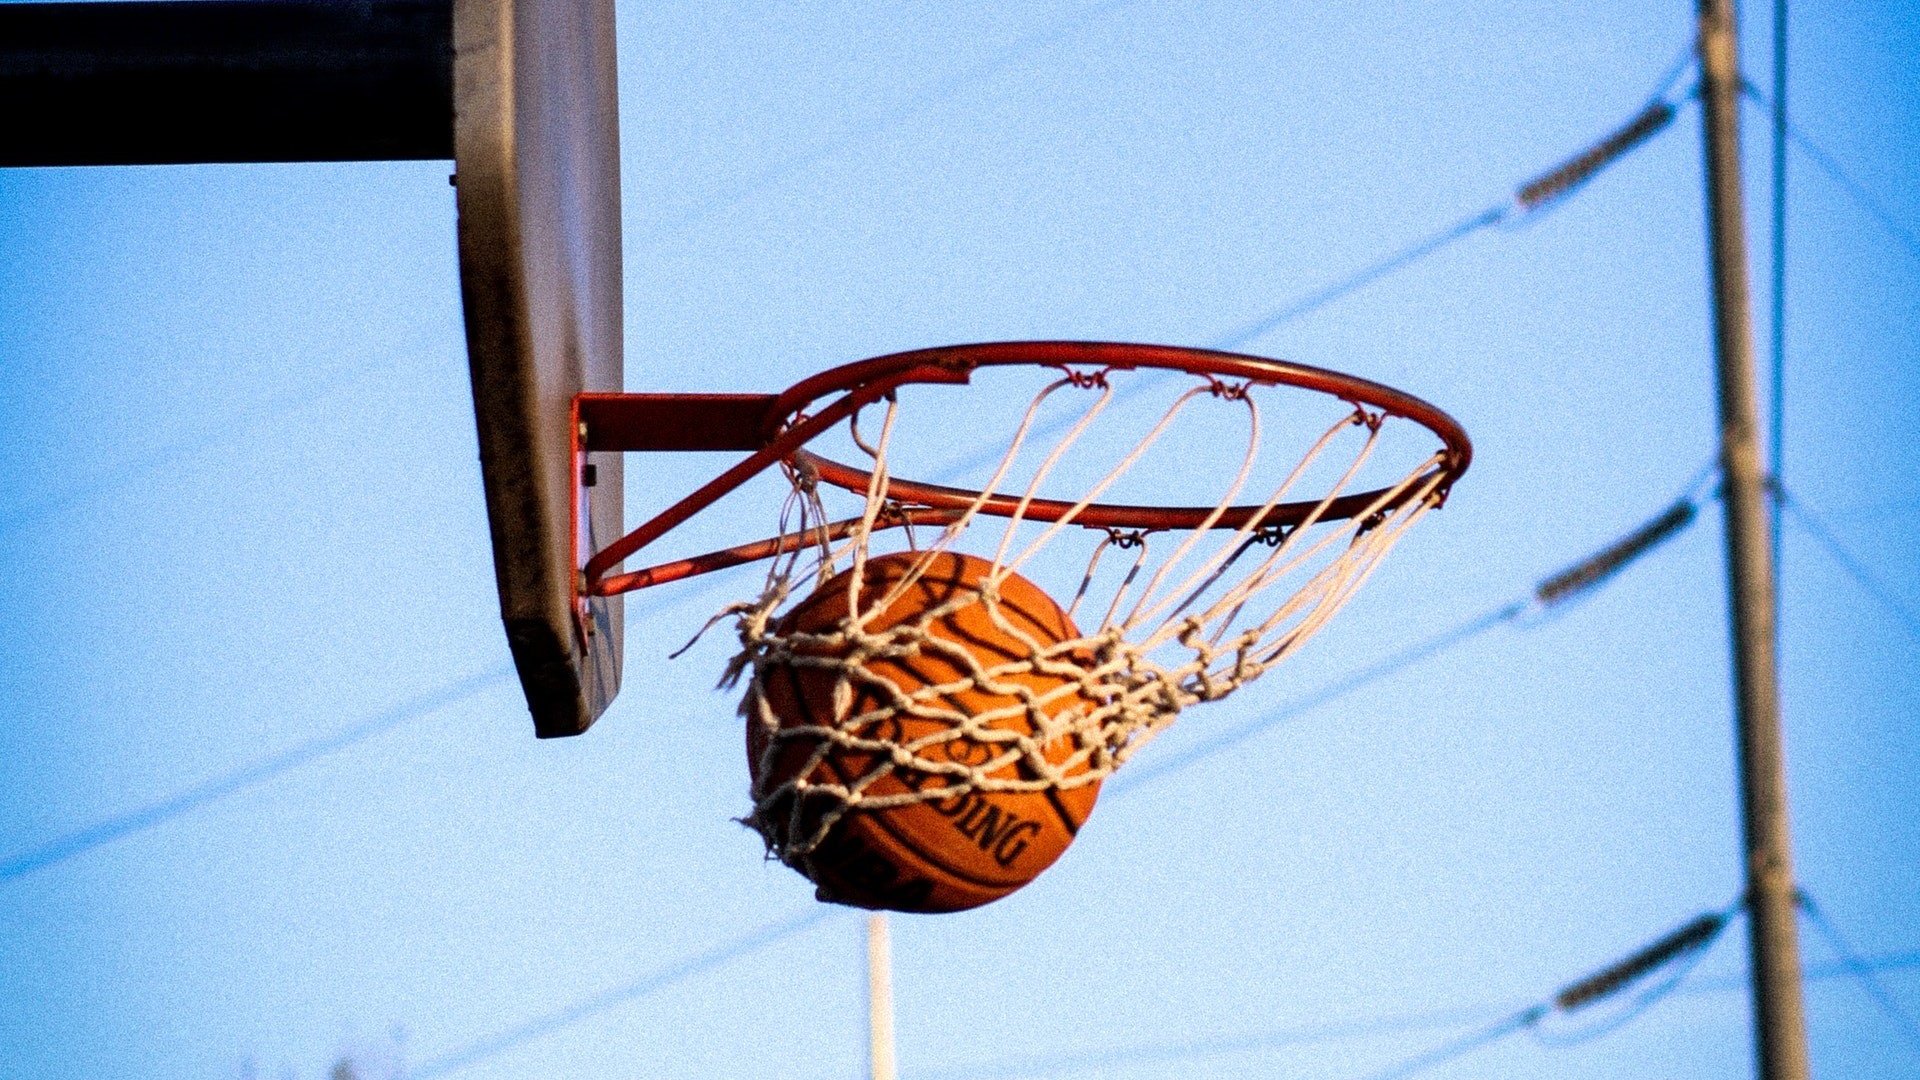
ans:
x=1779 y=1014
x=879 y=999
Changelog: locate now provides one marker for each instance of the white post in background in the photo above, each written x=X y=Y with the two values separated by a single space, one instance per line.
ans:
x=879 y=999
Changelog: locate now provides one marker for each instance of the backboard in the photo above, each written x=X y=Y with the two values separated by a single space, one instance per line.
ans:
x=537 y=172
x=522 y=93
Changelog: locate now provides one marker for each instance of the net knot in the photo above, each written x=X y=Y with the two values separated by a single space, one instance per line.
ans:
x=803 y=475
x=1371 y=419
x=1272 y=536
x=1086 y=380
x=1227 y=390
x=907 y=696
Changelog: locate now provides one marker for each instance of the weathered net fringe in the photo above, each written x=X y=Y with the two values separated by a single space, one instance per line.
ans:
x=1184 y=638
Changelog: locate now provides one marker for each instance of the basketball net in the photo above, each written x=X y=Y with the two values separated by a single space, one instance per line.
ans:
x=1180 y=621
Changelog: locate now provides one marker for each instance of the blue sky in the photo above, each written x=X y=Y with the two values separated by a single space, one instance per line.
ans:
x=242 y=512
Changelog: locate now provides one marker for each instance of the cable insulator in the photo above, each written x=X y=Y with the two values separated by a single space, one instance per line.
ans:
x=1609 y=561
x=1580 y=169
x=1609 y=980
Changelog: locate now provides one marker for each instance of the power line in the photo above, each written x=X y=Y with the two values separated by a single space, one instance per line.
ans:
x=1687 y=946
x=1898 y=961
x=1535 y=195
x=935 y=93
x=1860 y=970
x=1558 y=589
x=1688 y=943
x=1399 y=260
x=653 y=982
x=1881 y=507
x=1146 y=772
x=1539 y=193
x=248 y=776
x=1855 y=569
x=1465 y=1045
x=1554 y=591
x=159 y=813
x=279 y=405
x=1305 y=1035
x=1831 y=166
x=1777 y=315
x=1358 y=1028
x=125 y=472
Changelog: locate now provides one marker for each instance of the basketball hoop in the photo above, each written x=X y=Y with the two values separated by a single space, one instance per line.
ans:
x=777 y=426
x=1191 y=601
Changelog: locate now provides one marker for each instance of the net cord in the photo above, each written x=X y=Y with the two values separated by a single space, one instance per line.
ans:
x=1059 y=715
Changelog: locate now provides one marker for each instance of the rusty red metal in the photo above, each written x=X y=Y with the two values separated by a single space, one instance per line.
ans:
x=675 y=422
x=769 y=548
x=776 y=427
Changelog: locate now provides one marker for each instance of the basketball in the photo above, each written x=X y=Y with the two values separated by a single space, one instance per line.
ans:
x=935 y=854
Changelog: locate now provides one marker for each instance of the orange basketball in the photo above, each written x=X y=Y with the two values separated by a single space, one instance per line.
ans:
x=946 y=853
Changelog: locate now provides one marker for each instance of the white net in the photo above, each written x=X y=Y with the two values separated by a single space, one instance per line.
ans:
x=1178 y=617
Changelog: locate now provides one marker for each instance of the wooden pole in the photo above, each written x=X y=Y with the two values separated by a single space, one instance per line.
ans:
x=1778 y=1010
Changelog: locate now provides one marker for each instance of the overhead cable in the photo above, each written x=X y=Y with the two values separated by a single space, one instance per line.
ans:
x=161 y=458
x=1116 y=1057
x=1399 y=260
x=249 y=776
x=1688 y=942
x=1679 y=952
x=1777 y=307
x=1464 y=1045
x=935 y=93
x=1554 y=591
x=1610 y=560
x=1611 y=557
x=1610 y=979
x=1831 y=166
x=1862 y=972
x=929 y=96
x=1534 y=195
x=653 y=982
x=1847 y=561
x=1357 y=1028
